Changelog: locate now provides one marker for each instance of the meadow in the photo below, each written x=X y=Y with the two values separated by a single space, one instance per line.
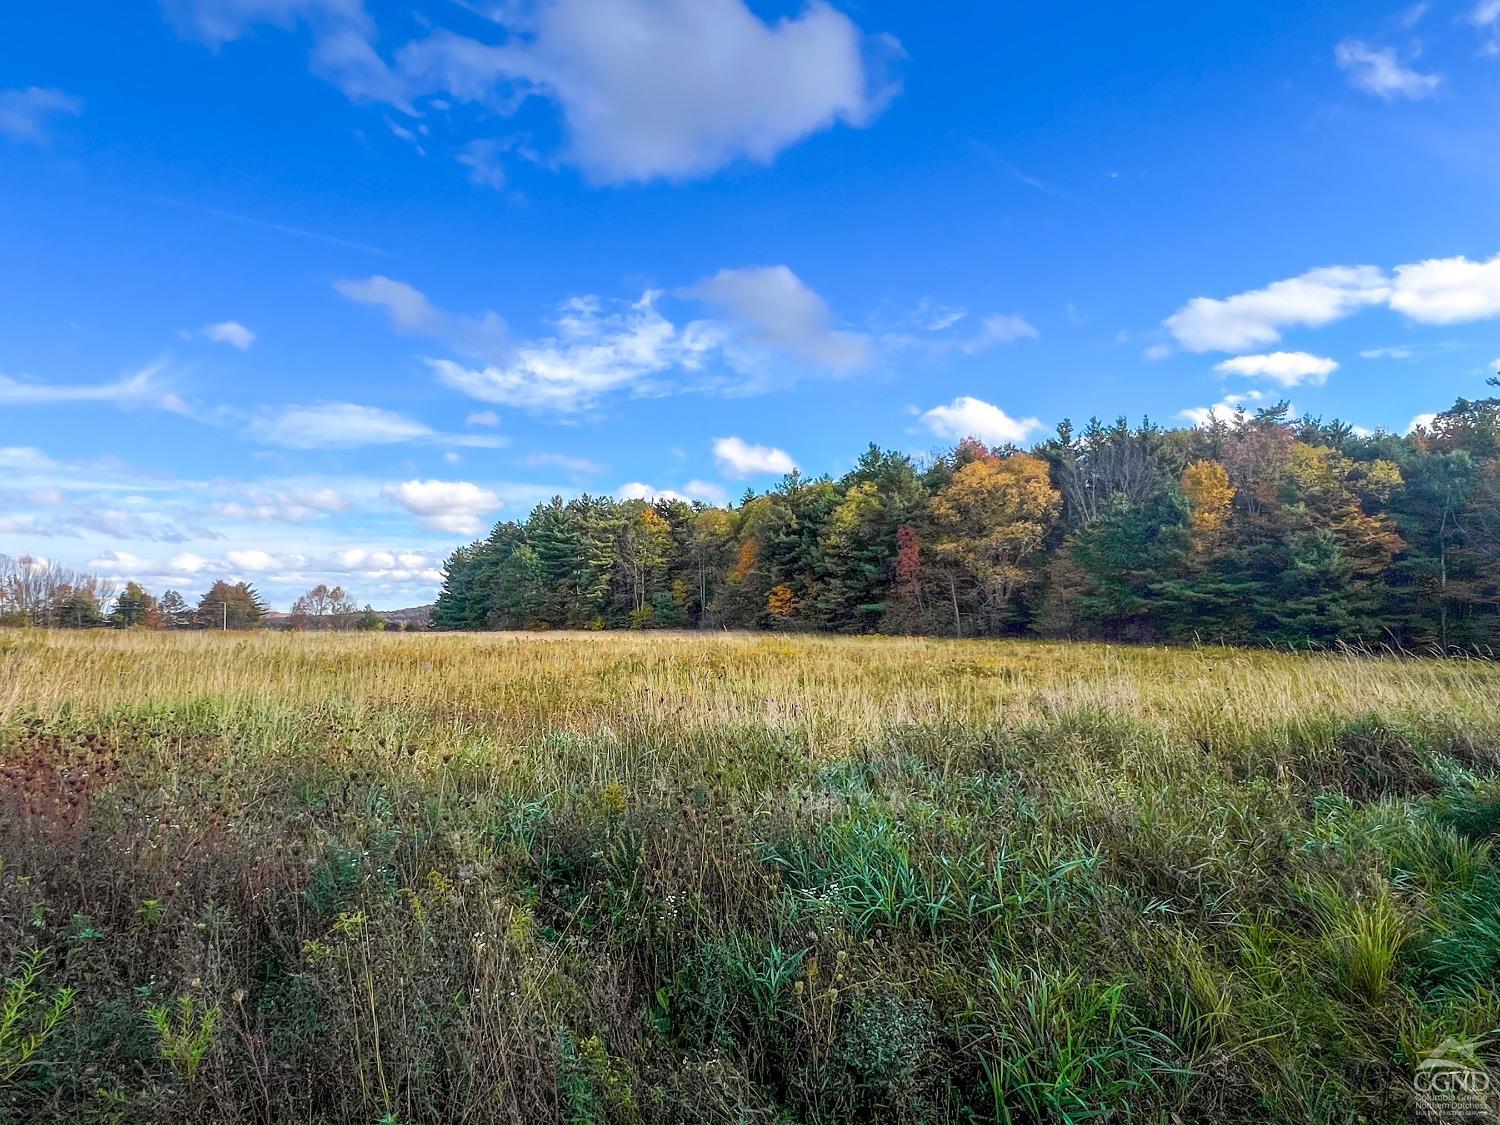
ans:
x=736 y=878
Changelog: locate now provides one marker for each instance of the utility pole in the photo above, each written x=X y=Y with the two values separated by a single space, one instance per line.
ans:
x=226 y=617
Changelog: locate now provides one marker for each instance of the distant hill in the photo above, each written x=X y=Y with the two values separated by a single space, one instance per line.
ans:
x=411 y=618
x=419 y=616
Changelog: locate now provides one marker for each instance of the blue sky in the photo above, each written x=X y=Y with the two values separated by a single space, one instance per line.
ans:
x=315 y=290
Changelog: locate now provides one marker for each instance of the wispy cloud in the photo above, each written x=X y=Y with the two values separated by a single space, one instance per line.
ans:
x=28 y=115
x=347 y=425
x=484 y=337
x=141 y=388
x=1378 y=71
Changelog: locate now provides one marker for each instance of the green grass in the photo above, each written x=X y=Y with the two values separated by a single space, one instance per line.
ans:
x=730 y=878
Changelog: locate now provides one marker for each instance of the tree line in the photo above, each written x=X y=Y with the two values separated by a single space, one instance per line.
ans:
x=39 y=593
x=1262 y=528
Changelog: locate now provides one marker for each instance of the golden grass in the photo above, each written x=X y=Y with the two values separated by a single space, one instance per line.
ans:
x=835 y=690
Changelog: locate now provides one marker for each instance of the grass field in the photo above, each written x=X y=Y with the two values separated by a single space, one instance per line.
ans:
x=641 y=878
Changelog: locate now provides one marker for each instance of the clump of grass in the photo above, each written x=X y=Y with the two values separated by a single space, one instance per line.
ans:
x=1362 y=937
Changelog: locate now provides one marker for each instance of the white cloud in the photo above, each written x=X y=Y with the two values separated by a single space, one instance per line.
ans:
x=999 y=328
x=410 y=311
x=450 y=506
x=1436 y=291
x=1258 y=317
x=1377 y=71
x=1290 y=369
x=392 y=570
x=1486 y=17
x=483 y=418
x=284 y=506
x=343 y=47
x=231 y=332
x=482 y=159
x=563 y=461
x=704 y=491
x=139 y=389
x=188 y=563
x=638 y=490
x=1202 y=416
x=337 y=425
x=1226 y=411
x=1386 y=353
x=967 y=416
x=739 y=458
x=25 y=115
x=593 y=353
x=707 y=491
x=252 y=560
x=25 y=457
x=666 y=88
x=1421 y=422
x=1448 y=290
x=778 y=310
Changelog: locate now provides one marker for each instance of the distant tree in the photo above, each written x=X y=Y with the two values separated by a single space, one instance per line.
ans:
x=135 y=607
x=324 y=607
x=75 y=607
x=38 y=592
x=369 y=621
x=233 y=605
x=175 y=612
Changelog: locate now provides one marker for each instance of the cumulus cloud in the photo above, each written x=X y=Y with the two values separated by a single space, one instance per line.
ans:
x=646 y=89
x=1290 y=369
x=967 y=416
x=596 y=350
x=666 y=88
x=457 y=507
x=1437 y=291
x=390 y=569
x=27 y=115
x=776 y=309
x=1378 y=71
x=283 y=505
x=704 y=491
x=768 y=325
x=1258 y=317
x=484 y=337
x=253 y=560
x=738 y=458
x=1448 y=290
x=230 y=332
x=1421 y=422
x=1225 y=411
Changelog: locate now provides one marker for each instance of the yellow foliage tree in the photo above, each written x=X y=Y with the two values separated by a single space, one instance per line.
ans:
x=991 y=518
x=749 y=555
x=1333 y=490
x=781 y=603
x=1209 y=496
